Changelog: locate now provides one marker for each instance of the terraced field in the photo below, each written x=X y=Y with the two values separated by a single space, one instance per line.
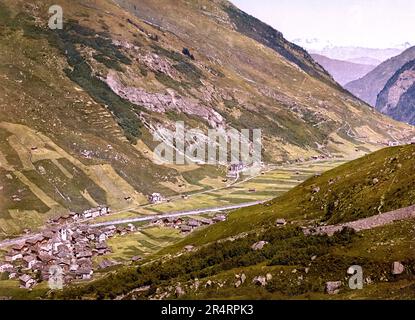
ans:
x=141 y=243
x=270 y=184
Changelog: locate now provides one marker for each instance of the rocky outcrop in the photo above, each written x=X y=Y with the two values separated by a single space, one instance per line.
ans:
x=163 y=102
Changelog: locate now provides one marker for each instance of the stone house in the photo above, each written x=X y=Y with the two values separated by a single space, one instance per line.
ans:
x=29 y=261
x=193 y=223
x=26 y=281
x=84 y=273
x=155 y=198
x=185 y=228
x=6 y=267
x=219 y=218
x=13 y=256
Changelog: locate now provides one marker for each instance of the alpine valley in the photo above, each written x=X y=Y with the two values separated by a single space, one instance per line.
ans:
x=80 y=189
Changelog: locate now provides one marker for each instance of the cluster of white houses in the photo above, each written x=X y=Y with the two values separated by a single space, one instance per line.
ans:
x=188 y=225
x=87 y=214
x=71 y=248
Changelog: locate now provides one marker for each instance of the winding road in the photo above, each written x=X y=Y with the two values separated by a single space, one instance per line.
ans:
x=179 y=214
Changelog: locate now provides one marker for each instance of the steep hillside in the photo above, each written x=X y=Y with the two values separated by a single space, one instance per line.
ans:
x=343 y=71
x=368 y=87
x=397 y=99
x=299 y=265
x=79 y=106
x=377 y=183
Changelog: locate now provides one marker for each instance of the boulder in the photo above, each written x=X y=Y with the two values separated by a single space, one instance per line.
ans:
x=243 y=278
x=179 y=291
x=280 y=222
x=189 y=248
x=260 y=281
x=268 y=276
x=259 y=245
x=316 y=189
x=333 y=287
x=397 y=268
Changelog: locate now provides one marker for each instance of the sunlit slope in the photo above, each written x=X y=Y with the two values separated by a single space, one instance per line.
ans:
x=377 y=183
x=79 y=105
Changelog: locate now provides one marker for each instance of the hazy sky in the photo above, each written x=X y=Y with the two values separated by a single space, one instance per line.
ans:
x=369 y=23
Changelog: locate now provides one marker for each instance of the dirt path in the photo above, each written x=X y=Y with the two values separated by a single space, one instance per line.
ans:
x=367 y=223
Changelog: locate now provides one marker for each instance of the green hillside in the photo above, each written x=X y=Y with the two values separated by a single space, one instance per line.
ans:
x=300 y=265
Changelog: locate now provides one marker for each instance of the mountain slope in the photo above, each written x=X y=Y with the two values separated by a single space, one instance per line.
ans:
x=343 y=71
x=397 y=99
x=79 y=106
x=368 y=87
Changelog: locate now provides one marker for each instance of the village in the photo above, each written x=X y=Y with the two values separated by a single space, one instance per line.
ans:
x=70 y=245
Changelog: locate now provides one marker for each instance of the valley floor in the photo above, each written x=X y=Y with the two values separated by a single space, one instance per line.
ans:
x=149 y=239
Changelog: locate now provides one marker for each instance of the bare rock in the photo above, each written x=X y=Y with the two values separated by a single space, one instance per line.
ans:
x=189 y=248
x=280 y=222
x=397 y=268
x=243 y=278
x=316 y=189
x=333 y=287
x=259 y=245
x=179 y=291
x=260 y=281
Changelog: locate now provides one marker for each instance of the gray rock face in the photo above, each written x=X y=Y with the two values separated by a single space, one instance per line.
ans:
x=333 y=287
x=397 y=99
x=368 y=87
x=163 y=102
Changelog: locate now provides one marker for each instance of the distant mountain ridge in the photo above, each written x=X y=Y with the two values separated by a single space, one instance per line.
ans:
x=348 y=53
x=343 y=71
x=368 y=87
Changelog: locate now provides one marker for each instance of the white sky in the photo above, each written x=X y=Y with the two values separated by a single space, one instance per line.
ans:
x=367 y=23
